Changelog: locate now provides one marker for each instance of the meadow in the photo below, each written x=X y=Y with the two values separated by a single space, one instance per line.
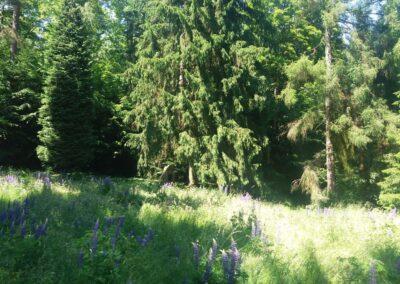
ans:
x=63 y=228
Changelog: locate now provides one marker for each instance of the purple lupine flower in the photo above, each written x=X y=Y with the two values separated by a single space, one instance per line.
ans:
x=41 y=230
x=11 y=179
x=11 y=215
x=167 y=185
x=12 y=229
x=44 y=227
x=95 y=240
x=214 y=250
x=113 y=242
x=23 y=230
x=196 y=256
x=233 y=245
x=150 y=235
x=225 y=263
x=80 y=259
x=393 y=213
x=96 y=226
x=246 y=197
x=210 y=262
x=253 y=230
x=235 y=260
x=107 y=182
x=121 y=221
x=46 y=182
x=131 y=234
x=108 y=223
x=207 y=272
x=3 y=217
x=106 y=185
x=373 y=274
x=38 y=231
x=256 y=229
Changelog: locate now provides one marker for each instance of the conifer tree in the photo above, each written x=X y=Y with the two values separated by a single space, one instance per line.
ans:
x=66 y=116
x=200 y=87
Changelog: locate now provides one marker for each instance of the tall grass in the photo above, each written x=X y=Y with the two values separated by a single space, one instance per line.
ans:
x=136 y=231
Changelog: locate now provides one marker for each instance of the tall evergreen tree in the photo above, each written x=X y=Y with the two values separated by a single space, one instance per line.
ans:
x=200 y=87
x=66 y=116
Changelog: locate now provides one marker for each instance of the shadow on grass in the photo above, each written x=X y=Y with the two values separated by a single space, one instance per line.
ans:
x=166 y=258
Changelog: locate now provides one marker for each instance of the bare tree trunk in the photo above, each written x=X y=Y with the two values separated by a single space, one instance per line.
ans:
x=192 y=179
x=330 y=159
x=15 y=28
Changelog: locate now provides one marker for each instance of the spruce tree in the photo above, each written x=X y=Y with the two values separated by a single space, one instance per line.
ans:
x=200 y=87
x=66 y=116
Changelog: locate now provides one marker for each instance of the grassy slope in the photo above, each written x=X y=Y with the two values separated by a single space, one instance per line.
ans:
x=342 y=245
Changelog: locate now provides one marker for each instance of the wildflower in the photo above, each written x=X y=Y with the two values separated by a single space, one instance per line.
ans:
x=94 y=243
x=3 y=217
x=255 y=229
x=12 y=229
x=117 y=231
x=46 y=183
x=210 y=262
x=167 y=185
x=107 y=181
x=235 y=260
x=96 y=226
x=214 y=250
x=107 y=185
x=80 y=259
x=207 y=273
x=11 y=179
x=131 y=233
x=196 y=256
x=121 y=221
x=225 y=263
x=41 y=230
x=150 y=235
x=398 y=265
x=373 y=274
x=108 y=223
x=23 y=230
x=393 y=213
x=246 y=197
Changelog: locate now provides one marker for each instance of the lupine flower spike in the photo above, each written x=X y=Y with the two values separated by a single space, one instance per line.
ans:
x=373 y=274
x=225 y=262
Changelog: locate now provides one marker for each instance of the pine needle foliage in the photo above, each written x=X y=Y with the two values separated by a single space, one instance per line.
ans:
x=66 y=116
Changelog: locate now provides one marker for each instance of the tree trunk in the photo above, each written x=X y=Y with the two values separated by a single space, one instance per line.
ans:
x=192 y=180
x=15 y=28
x=330 y=159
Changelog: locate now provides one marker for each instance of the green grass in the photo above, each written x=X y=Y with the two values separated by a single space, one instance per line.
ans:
x=298 y=245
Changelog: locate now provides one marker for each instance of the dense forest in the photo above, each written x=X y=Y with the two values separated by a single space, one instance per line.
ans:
x=248 y=95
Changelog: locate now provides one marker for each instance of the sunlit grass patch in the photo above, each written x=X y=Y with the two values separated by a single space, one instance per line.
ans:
x=275 y=243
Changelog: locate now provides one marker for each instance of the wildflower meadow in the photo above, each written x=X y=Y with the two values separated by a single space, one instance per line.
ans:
x=86 y=229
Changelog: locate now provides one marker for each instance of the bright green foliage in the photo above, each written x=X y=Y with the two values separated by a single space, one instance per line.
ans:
x=362 y=122
x=20 y=85
x=66 y=116
x=297 y=245
x=199 y=90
